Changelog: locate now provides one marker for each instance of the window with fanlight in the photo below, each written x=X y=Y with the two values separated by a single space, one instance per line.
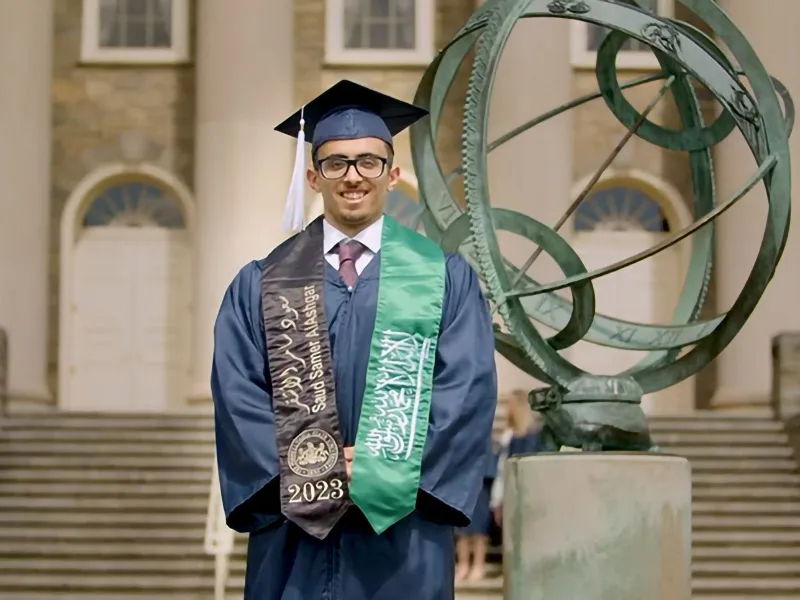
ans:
x=136 y=204
x=135 y=31
x=380 y=31
x=620 y=208
x=586 y=39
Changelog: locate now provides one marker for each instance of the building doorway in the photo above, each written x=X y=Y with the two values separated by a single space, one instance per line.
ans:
x=127 y=288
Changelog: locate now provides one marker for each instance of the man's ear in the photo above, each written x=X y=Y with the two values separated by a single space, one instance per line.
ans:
x=394 y=176
x=313 y=179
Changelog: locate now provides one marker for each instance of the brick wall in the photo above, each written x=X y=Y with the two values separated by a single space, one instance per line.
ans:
x=92 y=106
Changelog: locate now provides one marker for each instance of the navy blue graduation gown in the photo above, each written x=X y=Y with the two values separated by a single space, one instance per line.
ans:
x=415 y=557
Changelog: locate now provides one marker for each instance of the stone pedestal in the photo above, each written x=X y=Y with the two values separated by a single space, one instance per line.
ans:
x=597 y=526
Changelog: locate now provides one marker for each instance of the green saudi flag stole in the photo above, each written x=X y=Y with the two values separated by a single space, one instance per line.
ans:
x=394 y=415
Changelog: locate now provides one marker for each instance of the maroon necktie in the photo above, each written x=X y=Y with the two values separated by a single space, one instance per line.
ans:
x=348 y=255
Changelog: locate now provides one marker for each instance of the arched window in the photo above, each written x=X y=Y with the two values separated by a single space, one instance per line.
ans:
x=135 y=204
x=620 y=208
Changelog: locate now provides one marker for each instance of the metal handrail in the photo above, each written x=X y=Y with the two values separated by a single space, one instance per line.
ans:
x=3 y=372
x=219 y=537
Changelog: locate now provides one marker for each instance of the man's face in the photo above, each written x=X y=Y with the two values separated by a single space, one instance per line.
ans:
x=354 y=195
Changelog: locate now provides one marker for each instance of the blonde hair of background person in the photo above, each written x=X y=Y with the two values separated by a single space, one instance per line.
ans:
x=520 y=420
x=519 y=416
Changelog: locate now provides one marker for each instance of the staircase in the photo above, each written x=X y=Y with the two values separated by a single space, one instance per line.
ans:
x=113 y=508
x=105 y=507
x=746 y=508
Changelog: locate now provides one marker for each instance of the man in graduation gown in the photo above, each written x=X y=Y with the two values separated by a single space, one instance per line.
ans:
x=354 y=382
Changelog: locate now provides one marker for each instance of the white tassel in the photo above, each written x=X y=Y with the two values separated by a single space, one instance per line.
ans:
x=294 y=215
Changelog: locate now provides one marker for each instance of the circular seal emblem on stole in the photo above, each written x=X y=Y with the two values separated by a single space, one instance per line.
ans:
x=313 y=453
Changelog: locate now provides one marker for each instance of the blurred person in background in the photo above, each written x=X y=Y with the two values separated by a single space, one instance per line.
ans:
x=522 y=436
x=472 y=541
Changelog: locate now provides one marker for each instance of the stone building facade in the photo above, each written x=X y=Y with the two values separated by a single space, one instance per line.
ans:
x=98 y=103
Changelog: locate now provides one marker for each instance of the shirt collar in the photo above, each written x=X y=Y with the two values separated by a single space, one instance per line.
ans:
x=370 y=237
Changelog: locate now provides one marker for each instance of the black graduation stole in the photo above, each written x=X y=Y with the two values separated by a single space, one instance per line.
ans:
x=313 y=477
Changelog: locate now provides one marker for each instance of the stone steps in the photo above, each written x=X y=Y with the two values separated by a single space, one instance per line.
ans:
x=743 y=465
x=775 y=515
x=746 y=509
x=727 y=453
x=91 y=476
x=82 y=435
x=743 y=553
x=173 y=520
x=763 y=523
x=101 y=594
x=704 y=497
x=721 y=438
x=114 y=507
x=19 y=460
x=200 y=565
x=745 y=569
x=702 y=480
x=735 y=586
x=110 y=422
x=745 y=537
x=110 y=582
x=724 y=492
x=104 y=489
x=740 y=585
x=715 y=421
x=83 y=549
x=93 y=461
x=204 y=434
x=108 y=449
x=176 y=520
x=103 y=534
x=80 y=448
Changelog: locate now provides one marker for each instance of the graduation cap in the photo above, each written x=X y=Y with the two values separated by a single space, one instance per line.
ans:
x=345 y=111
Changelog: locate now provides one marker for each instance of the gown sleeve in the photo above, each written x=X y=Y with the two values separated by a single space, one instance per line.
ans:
x=462 y=404
x=247 y=453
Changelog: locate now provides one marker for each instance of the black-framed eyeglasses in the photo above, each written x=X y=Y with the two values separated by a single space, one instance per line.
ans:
x=336 y=167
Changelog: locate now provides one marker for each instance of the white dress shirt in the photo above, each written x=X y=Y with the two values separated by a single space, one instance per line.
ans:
x=369 y=237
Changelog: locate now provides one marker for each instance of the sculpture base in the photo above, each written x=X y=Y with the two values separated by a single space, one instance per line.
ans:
x=597 y=526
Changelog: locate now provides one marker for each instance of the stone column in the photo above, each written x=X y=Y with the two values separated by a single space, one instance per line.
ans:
x=532 y=173
x=26 y=41
x=242 y=167
x=580 y=525
x=744 y=368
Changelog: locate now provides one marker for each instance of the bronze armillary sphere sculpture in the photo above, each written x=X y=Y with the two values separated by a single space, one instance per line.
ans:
x=602 y=412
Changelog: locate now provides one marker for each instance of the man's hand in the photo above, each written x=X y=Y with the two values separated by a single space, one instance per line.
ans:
x=348 y=461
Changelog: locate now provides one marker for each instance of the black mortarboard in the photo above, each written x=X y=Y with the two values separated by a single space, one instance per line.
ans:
x=345 y=111
x=349 y=111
